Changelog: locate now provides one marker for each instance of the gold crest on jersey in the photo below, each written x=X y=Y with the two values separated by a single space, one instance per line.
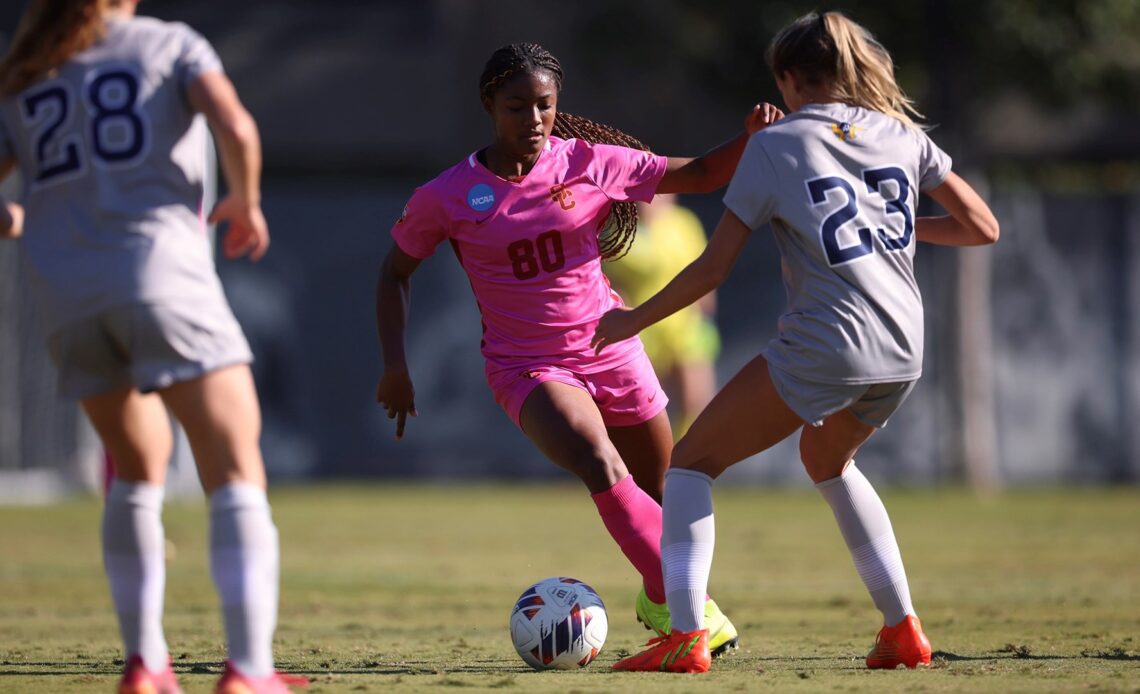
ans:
x=563 y=196
x=845 y=131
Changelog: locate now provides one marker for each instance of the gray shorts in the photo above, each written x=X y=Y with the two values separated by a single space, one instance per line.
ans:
x=149 y=346
x=871 y=403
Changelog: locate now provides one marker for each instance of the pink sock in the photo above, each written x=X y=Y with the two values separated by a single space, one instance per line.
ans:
x=633 y=519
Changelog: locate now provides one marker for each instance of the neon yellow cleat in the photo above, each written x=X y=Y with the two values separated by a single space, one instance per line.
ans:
x=655 y=616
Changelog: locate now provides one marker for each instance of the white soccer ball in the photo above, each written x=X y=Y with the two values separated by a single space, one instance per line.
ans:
x=559 y=624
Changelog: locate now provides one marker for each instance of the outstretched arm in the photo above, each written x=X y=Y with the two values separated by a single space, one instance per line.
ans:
x=239 y=147
x=700 y=277
x=393 y=301
x=970 y=222
x=714 y=169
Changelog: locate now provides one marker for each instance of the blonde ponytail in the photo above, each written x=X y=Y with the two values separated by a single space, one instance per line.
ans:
x=831 y=49
x=49 y=33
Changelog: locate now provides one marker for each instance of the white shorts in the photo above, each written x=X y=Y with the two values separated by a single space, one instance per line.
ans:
x=871 y=403
x=149 y=346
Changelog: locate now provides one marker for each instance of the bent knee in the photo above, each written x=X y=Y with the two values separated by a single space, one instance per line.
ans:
x=600 y=467
x=822 y=468
x=691 y=456
x=218 y=474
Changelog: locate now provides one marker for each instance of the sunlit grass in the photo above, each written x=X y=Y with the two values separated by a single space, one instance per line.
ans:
x=410 y=588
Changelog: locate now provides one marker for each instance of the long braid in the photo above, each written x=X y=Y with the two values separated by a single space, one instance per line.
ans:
x=617 y=231
x=620 y=226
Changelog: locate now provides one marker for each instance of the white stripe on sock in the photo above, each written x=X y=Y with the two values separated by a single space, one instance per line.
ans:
x=879 y=562
x=686 y=560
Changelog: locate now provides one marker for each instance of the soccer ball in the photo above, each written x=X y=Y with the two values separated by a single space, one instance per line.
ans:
x=559 y=624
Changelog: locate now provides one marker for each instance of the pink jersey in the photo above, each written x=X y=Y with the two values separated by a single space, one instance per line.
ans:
x=530 y=247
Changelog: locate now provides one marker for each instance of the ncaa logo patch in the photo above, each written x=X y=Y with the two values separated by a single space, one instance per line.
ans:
x=480 y=198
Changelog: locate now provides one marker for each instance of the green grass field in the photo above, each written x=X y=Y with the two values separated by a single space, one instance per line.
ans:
x=409 y=588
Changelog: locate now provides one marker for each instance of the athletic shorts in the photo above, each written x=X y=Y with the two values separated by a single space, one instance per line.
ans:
x=626 y=395
x=149 y=346
x=871 y=403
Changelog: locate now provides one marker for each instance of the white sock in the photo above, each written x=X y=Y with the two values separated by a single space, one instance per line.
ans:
x=244 y=564
x=134 y=556
x=866 y=528
x=687 y=539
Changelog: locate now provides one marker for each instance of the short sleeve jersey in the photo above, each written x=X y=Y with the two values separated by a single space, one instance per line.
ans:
x=113 y=162
x=529 y=246
x=840 y=186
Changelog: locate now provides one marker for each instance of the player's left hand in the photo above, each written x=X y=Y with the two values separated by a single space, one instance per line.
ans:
x=247 y=230
x=617 y=325
x=397 y=395
x=762 y=116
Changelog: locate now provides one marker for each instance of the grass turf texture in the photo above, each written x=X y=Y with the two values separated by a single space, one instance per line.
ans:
x=409 y=588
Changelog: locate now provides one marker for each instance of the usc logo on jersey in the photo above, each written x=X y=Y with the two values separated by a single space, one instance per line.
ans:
x=563 y=196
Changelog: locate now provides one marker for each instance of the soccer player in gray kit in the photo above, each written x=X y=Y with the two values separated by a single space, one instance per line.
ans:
x=838 y=180
x=101 y=111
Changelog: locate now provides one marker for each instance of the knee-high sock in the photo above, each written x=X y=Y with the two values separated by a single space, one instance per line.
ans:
x=687 y=540
x=134 y=556
x=633 y=519
x=244 y=565
x=866 y=528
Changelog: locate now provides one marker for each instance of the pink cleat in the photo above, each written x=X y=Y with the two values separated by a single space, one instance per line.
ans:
x=138 y=680
x=233 y=682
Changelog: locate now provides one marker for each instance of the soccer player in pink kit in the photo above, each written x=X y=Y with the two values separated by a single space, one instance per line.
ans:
x=529 y=218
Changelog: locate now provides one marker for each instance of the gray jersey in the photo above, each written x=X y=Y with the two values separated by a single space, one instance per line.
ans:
x=113 y=162
x=840 y=186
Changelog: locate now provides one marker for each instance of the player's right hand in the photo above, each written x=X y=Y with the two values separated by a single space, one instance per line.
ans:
x=762 y=115
x=13 y=226
x=616 y=325
x=397 y=395
x=246 y=232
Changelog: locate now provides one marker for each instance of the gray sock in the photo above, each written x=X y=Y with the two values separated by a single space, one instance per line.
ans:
x=134 y=556
x=244 y=565
x=688 y=535
x=866 y=528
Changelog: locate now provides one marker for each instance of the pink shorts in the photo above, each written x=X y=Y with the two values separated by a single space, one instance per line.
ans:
x=626 y=395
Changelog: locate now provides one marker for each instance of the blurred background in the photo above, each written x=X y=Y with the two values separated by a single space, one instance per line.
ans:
x=1032 y=371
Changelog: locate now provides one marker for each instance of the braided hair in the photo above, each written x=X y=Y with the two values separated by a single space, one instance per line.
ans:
x=619 y=228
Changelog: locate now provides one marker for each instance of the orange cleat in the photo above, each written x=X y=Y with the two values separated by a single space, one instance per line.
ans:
x=678 y=651
x=138 y=680
x=233 y=682
x=902 y=644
